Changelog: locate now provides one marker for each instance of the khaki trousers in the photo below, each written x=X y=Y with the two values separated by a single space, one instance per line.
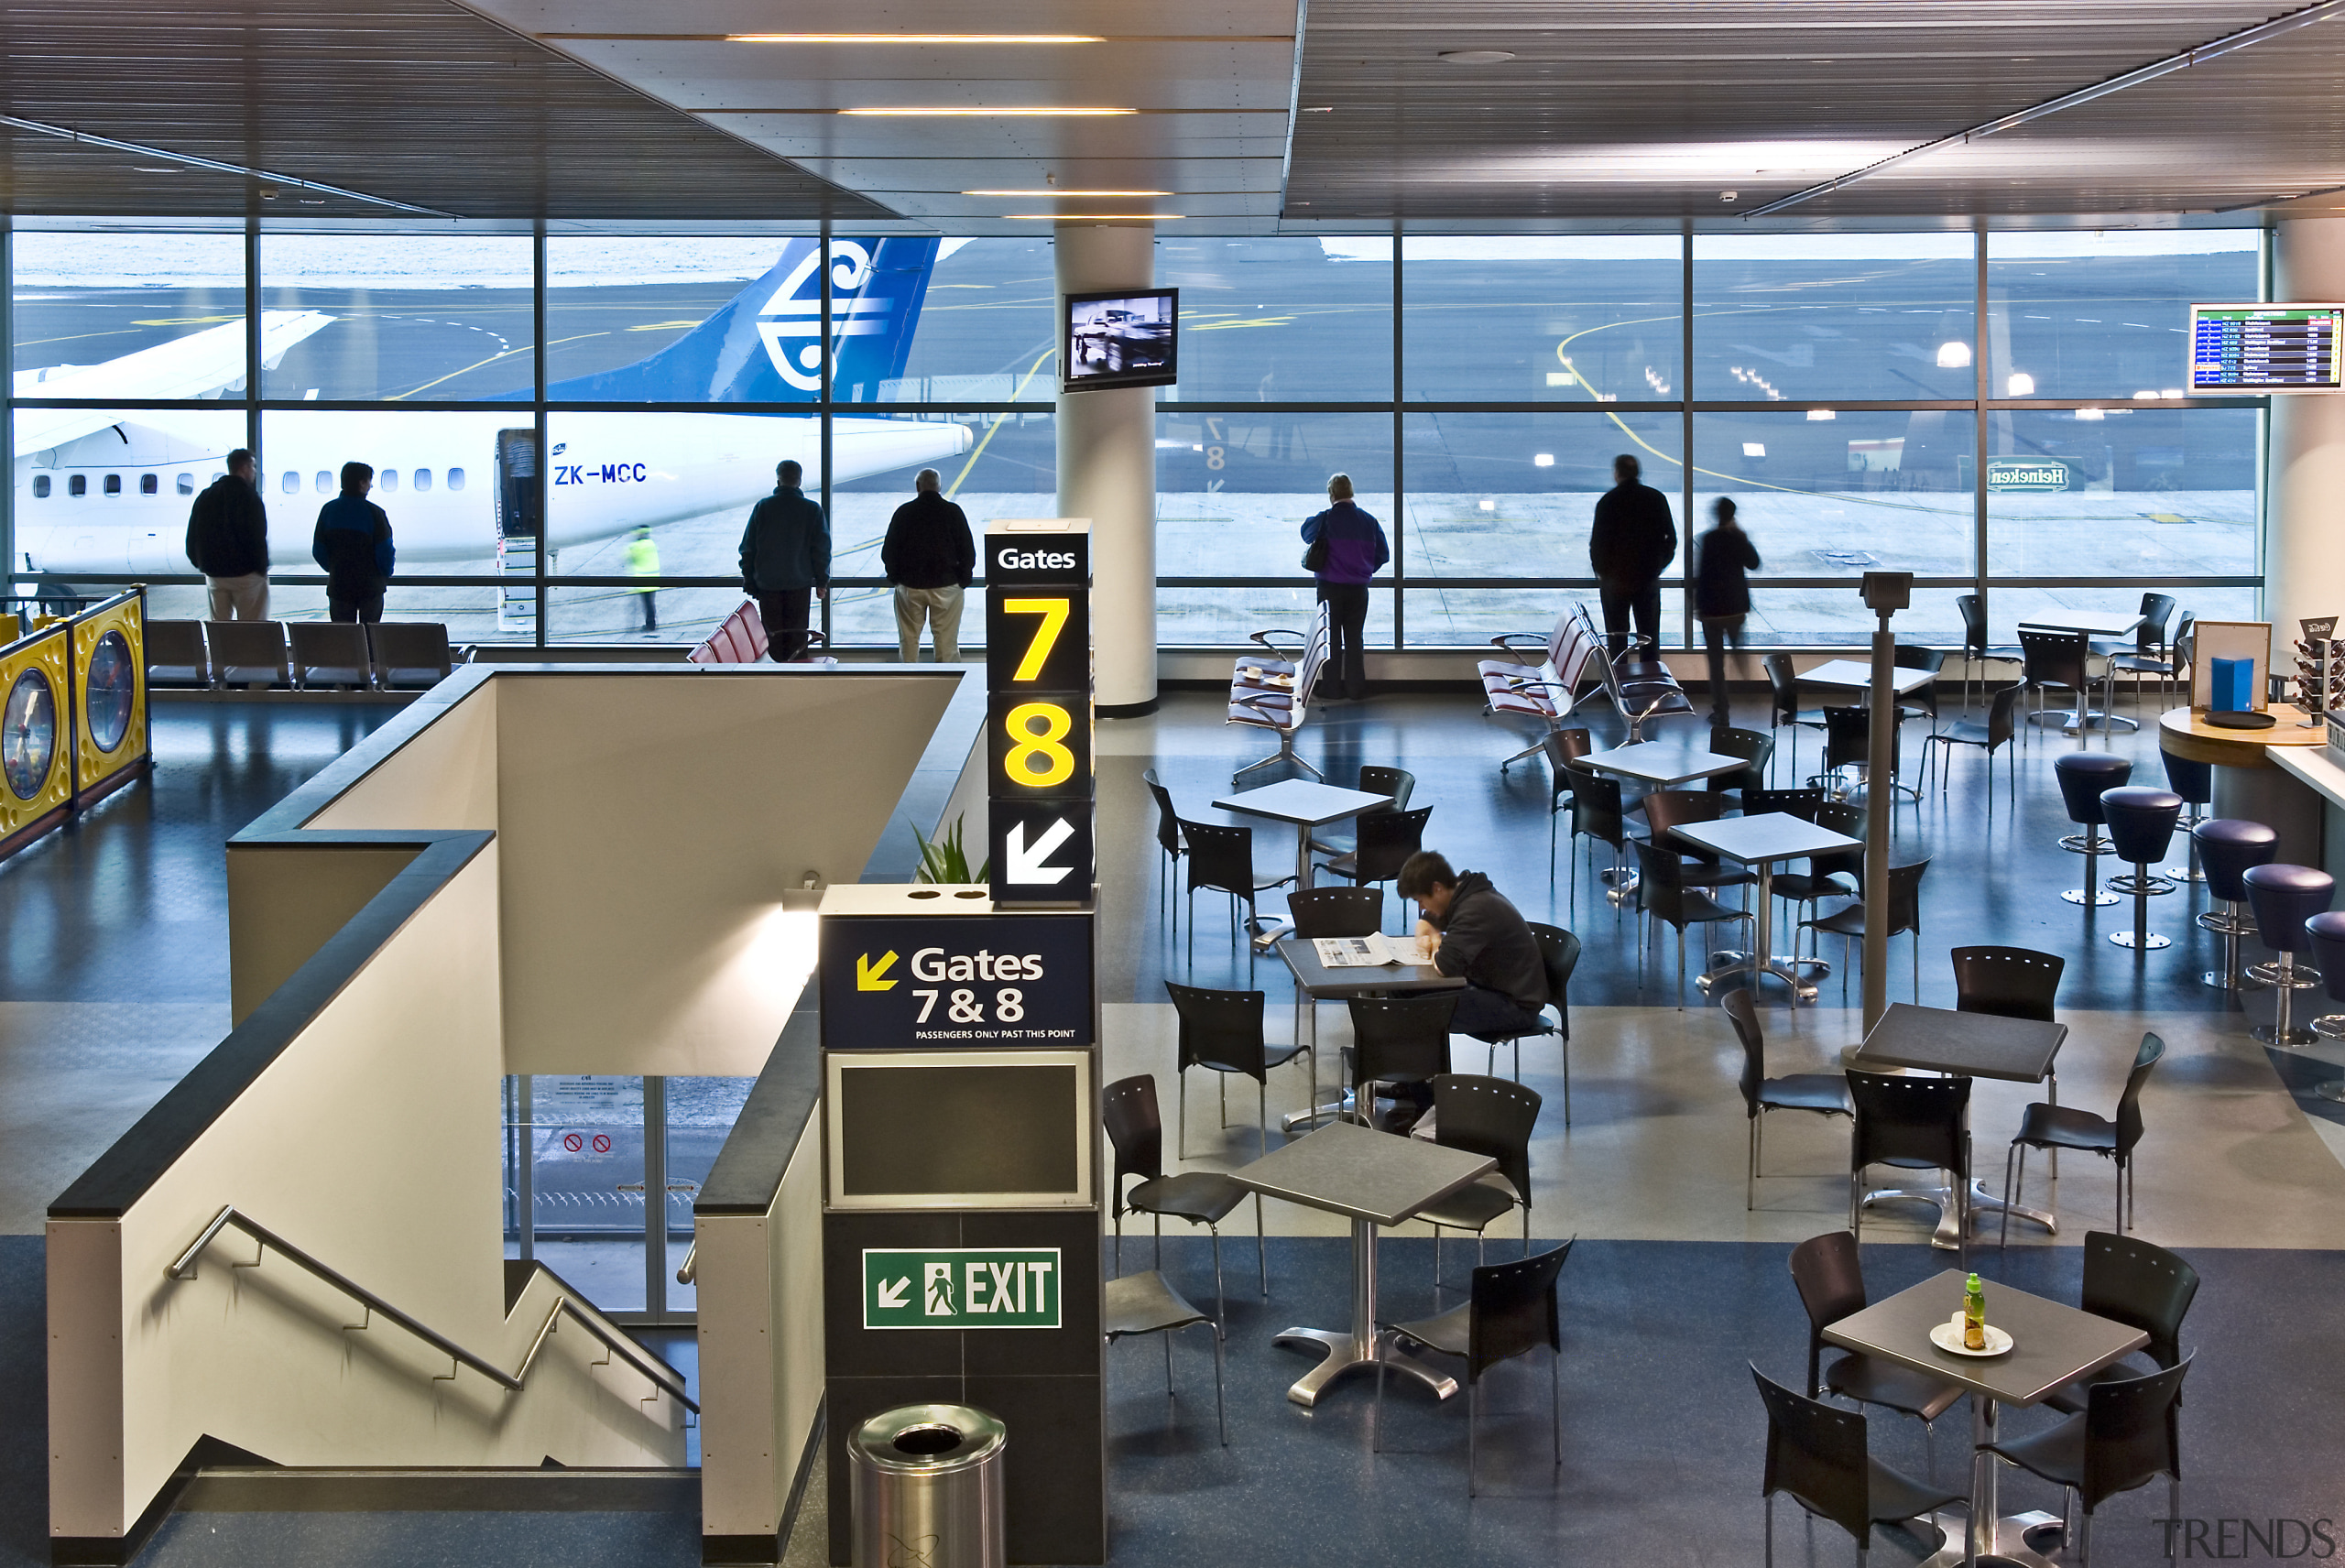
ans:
x=942 y=609
x=239 y=598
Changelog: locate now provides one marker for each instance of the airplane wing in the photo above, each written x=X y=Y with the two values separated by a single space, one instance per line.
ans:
x=192 y=367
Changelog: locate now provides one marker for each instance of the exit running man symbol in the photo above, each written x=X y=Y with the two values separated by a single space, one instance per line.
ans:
x=936 y=1290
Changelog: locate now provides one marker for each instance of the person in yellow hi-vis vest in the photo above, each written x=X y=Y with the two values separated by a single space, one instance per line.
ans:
x=643 y=560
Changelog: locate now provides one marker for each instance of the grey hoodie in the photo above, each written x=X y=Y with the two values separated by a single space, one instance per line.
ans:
x=1484 y=938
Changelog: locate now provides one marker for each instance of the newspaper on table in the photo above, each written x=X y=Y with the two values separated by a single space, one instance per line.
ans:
x=1368 y=952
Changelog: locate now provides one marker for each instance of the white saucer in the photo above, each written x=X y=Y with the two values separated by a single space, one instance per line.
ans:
x=1948 y=1336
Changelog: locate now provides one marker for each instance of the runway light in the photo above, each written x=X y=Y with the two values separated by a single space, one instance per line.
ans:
x=1490 y=506
x=1027 y=111
x=1754 y=448
x=1818 y=415
x=2145 y=397
x=1543 y=459
x=2171 y=392
x=1953 y=356
x=2018 y=385
x=2091 y=414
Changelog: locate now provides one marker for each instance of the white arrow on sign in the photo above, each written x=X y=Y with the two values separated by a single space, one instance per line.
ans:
x=1025 y=866
x=895 y=1292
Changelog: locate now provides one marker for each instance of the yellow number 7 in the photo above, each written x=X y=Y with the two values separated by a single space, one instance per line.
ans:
x=1046 y=637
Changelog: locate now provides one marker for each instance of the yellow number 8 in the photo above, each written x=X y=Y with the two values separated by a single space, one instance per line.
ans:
x=1036 y=758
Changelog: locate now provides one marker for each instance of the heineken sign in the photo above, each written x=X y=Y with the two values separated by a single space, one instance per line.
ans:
x=961 y=1287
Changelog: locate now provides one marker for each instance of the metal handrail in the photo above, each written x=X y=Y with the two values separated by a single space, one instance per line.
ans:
x=690 y=1271
x=184 y=1268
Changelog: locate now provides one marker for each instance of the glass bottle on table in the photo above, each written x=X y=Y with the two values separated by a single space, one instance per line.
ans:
x=1974 y=1315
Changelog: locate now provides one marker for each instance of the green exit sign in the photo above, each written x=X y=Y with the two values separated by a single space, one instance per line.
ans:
x=961 y=1287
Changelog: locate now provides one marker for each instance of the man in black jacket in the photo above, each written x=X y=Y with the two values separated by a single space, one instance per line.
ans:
x=1633 y=541
x=352 y=543
x=930 y=557
x=785 y=558
x=227 y=540
x=1484 y=938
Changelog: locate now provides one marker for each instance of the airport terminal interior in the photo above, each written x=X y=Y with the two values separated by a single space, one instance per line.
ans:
x=631 y=1016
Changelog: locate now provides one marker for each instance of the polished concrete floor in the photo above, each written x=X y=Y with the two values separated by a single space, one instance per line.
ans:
x=112 y=979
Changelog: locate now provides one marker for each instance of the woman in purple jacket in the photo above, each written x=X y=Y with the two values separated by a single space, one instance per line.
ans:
x=1356 y=548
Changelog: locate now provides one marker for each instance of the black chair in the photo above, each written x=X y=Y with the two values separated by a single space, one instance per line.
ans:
x=1663 y=895
x=2150 y=652
x=1136 y=1131
x=2130 y=1281
x=2140 y=826
x=1147 y=1303
x=1697 y=867
x=1169 y=845
x=1826 y=1093
x=1830 y=1279
x=2006 y=982
x=2057 y=661
x=1848 y=742
x=2085 y=777
x=1757 y=749
x=1597 y=815
x=1563 y=748
x=1330 y=911
x=2128 y=1435
x=1922 y=701
x=1975 y=648
x=1221 y=859
x=1782 y=703
x=1514 y=1308
x=1836 y=874
x=1222 y=1032
x=2050 y=1128
x=1818 y=1454
x=1559 y=952
x=1913 y=1123
x=1400 y=1040
x=1385 y=842
x=2229 y=847
x=1491 y=1116
x=1799 y=802
x=2283 y=898
x=1396 y=783
x=1847 y=923
x=2002 y=725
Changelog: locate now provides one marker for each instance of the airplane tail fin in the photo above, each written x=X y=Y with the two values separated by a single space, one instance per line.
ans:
x=764 y=345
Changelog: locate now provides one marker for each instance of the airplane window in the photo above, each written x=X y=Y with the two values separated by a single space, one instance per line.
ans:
x=389 y=480
x=187 y=483
x=422 y=479
x=113 y=484
x=292 y=485
x=40 y=486
x=146 y=484
x=455 y=479
x=79 y=484
x=324 y=483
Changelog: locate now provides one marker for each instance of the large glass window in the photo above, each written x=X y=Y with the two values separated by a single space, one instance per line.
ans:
x=1837 y=497
x=421 y=318
x=1569 y=319
x=1271 y=320
x=988 y=330
x=1514 y=494
x=2107 y=314
x=84 y=500
x=1800 y=317
x=616 y=302
x=1232 y=490
x=83 y=300
x=2121 y=492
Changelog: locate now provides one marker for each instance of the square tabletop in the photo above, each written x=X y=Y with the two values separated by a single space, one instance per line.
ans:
x=2052 y=1343
x=1852 y=672
x=2093 y=623
x=1973 y=1045
x=1765 y=837
x=1322 y=983
x=1363 y=1174
x=1302 y=801
x=1665 y=762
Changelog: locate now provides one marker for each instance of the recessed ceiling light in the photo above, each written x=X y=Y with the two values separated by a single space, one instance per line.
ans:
x=1730 y=195
x=913 y=39
x=1095 y=217
x=148 y=169
x=1476 y=56
x=1055 y=195
x=1319 y=108
x=985 y=113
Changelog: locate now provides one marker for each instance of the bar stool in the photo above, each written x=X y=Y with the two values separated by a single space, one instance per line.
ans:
x=2227 y=846
x=2195 y=782
x=2328 y=932
x=2283 y=898
x=2140 y=826
x=2085 y=777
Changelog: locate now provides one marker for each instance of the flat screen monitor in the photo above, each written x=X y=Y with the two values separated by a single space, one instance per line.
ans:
x=1123 y=337
x=2267 y=348
x=957 y=1129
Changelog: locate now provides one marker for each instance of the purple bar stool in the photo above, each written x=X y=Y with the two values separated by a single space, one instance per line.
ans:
x=2328 y=932
x=2195 y=782
x=2227 y=846
x=2085 y=777
x=2283 y=898
x=2141 y=825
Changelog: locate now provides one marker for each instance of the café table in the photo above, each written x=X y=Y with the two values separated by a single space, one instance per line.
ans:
x=1305 y=804
x=1315 y=982
x=1762 y=841
x=2093 y=624
x=1657 y=765
x=1856 y=674
x=1373 y=1178
x=2052 y=1345
x=1967 y=1045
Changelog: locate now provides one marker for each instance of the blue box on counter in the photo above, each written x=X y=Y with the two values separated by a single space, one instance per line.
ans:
x=2230 y=686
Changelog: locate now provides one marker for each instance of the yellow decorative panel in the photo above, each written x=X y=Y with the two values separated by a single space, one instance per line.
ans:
x=109 y=690
x=35 y=744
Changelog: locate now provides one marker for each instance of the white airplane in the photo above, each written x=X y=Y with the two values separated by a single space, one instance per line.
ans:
x=99 y=492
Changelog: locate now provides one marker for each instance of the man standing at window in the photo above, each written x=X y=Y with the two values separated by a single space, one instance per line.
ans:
x=930 y=556
x=785 y=558
x=1348 y=545
x=1633 y=541
x=227 y=540
x=354 y=544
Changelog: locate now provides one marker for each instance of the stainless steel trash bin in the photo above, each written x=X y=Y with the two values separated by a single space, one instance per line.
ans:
x=926 y=1484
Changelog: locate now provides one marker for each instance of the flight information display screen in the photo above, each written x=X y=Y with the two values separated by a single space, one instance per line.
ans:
x=2266 y=348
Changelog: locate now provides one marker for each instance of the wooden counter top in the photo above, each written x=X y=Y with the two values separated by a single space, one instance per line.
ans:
x=2186 y=733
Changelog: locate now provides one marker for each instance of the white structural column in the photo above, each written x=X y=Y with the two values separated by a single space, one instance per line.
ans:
x=2305 y=549
x=1107 y=473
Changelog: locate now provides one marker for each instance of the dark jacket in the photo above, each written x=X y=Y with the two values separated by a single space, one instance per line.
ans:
x=929 y=545
x=1355 y=545
x=1634 y=537
x=1483 y=937
x=227 y=531
x=787 y=544
x=354 y=544
x=1720 y=558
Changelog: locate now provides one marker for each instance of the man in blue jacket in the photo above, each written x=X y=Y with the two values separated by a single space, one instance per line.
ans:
x=1356 y=548
x=785 y=558
x=354 y=545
